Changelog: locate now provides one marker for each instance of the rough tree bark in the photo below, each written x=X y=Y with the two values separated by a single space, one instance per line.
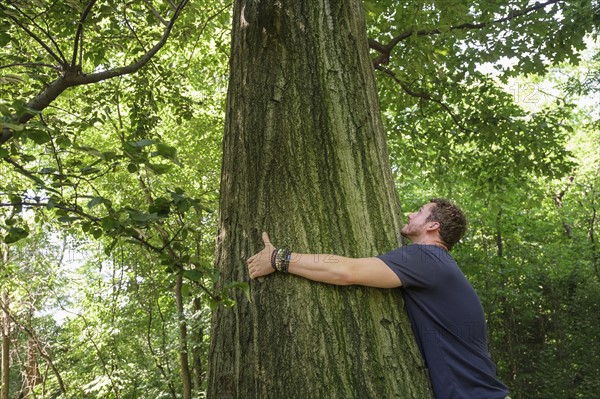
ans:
x=186 y=376
x=305 y=159
x=33 y=376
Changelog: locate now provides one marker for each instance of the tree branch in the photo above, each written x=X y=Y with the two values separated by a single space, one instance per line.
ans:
x=423 y=95
x=201 y=31
x=385 y=50
x=79 y=32
x=131 y=68
x=82 y=214
x=43 y=353
x=31 y=65
x=156 y=13
x=73 y=77
x=60 y=60
x=28 y=174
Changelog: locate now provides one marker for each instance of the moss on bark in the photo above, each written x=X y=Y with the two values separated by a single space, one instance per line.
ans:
x=305 y=159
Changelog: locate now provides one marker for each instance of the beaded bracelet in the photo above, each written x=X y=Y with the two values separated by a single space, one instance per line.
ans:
x=280 y=259
x=273 y=257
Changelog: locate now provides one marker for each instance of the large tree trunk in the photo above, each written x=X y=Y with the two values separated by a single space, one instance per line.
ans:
x=305 y=159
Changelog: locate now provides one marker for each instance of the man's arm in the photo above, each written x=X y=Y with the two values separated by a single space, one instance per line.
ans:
x=331 y=269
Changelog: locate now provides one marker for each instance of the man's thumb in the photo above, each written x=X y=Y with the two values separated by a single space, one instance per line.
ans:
x=265 y=238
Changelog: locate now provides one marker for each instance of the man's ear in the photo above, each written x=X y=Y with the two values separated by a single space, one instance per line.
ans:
x=431 y=226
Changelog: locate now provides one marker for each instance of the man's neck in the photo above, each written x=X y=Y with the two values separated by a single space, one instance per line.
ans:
x=430 y=241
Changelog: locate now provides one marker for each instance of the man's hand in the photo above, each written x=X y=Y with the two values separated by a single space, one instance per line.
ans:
x=259 y=264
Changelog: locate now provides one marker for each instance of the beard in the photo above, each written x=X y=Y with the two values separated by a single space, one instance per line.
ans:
x=410 y=230
x=403 y=231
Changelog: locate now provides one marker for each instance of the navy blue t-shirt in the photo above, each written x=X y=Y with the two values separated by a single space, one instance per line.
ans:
x=448 y=322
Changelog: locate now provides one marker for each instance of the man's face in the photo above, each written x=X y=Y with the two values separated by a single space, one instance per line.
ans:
x=416 y=224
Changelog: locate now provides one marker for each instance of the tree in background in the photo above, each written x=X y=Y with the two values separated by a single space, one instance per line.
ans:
x=98 y=168
x=131 y=163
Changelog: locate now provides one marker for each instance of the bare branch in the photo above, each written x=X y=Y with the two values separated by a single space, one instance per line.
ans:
x=385 y=50
x=31 y=65
x=172 y=4
x=28 y=329
x=84 y=15
x=201 y=31
x=156 y=13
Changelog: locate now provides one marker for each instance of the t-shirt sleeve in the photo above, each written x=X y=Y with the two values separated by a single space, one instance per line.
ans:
x=412 y=265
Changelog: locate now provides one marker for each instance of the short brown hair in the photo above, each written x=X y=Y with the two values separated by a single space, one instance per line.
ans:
x=452 y=220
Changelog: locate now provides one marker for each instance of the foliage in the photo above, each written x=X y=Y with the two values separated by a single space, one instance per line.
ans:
x=112 y=115
x=531 y=251
x=128 y=163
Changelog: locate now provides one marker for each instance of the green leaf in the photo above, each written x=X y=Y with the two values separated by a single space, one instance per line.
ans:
x=4 y=109
x=14 y=126
x=185 y=290
x=68 y=219
x=15 y=199
x=141 y=217
x=15 y=234
x=95 y=201
x=4 y=39
x=90 y=150
x=108 y=223
x=10 y=78
x=110 y=247
x=63 y=142
x=161 y=206
x=141 y=143
x=244 y=286
x=39 y=137
x=88 y=170
x=86 y=226
x=167 y=152
x=132 y=168
x=27 y=158
x=109 y=155
x=194 y=275
x=158 y=169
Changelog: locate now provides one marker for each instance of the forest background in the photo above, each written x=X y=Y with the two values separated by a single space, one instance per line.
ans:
x=112 y=120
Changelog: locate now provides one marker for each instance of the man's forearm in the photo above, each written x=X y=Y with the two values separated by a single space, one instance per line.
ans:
x=331 y=269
